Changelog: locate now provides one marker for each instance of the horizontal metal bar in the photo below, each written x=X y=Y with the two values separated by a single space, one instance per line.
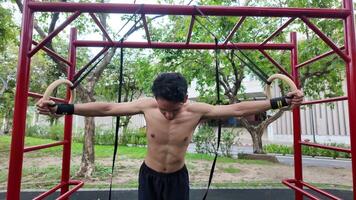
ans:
x=54 y=54
x=318 y=57
x=180 y=45
x=320 y=191
x=326 y=147
x=44 y=146
x=45 y=194
x=155 y=9
x=78 y=184
x=290 y=182
x=36 y=95
x=325 y=100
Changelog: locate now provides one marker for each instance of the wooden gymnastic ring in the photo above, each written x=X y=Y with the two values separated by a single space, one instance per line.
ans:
x=54 y=85
x=282 y=77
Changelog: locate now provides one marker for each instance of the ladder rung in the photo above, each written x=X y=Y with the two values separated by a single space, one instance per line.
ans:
x=27 y=149
x=325 y=100
x=78 y=184
x=319 y=191
x=36 y=95
x=326 y=147
x=290 y=183
x=45 y=194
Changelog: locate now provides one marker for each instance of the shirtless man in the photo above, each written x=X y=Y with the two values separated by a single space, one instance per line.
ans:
x=171 y=121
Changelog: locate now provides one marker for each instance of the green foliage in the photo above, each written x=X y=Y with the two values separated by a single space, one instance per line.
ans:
x=309 y=151
x=205 y=140
x=8 y=29
x=134 y=137
x=228 y=139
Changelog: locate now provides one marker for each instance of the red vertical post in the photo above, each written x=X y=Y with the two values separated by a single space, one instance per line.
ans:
x=298 y=174
x=68 y=119
x=20 y=108
x=350 y=46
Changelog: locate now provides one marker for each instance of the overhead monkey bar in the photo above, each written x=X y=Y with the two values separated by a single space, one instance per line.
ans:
x=151 y=9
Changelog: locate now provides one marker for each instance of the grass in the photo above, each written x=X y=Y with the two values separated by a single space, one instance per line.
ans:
x=231 y=170
x=106 y=151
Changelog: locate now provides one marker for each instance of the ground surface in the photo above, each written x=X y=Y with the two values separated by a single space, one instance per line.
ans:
x=44 y=171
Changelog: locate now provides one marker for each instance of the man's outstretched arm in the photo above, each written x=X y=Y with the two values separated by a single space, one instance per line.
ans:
x=93 y=109
x=248 y=107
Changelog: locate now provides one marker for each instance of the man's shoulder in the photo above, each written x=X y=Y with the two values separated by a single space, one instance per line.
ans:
x=198 y=107
x=147 y=102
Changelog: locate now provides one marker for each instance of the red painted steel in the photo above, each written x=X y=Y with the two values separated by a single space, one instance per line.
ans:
x=325 y=100
x=325 y=38
x=68 y=119
x=275 y=63
x=318 y=57
x=78 y=184
x=275 y=33
x=101 y=27
x=292 y=184
x=20 y=107
x=350 y=45
x=326 y=147
x=52 y=53
x=234 y=29
x=320 y=191
x=55 y=32
x=188 y=10
x=191 y=25
x=143 y=17
x=180 y=45
x=298 y=173
x=33 y=148
x=36 y=95
x=49 y=192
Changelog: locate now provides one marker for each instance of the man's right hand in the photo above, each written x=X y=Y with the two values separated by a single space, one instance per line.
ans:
x=46 y=107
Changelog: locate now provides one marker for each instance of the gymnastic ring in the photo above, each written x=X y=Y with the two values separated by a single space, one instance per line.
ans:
x=282 y=77
x=54 y=85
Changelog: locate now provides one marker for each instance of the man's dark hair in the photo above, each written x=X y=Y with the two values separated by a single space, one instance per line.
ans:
x=170 y=86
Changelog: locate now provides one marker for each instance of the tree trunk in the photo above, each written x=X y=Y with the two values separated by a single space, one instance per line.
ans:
x=257 y=131
x=7 y=124
x=87 y=165
x=257 y=141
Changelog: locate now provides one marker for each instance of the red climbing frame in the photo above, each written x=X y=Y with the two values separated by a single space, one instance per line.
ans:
x=346 y=52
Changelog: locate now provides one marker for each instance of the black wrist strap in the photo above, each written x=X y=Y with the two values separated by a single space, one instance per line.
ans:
x=65 y=109
x=278 y=102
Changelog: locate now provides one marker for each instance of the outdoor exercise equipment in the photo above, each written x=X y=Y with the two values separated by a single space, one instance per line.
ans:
x=282 y=77
x=54 y=85
x=347 y=52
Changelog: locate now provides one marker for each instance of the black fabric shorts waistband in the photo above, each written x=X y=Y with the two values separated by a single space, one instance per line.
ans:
x=148 y=170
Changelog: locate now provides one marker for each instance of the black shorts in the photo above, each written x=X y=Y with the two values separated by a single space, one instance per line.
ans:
x=163 y=186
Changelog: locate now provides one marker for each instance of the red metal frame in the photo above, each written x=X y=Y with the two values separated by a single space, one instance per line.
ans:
x=25 y=54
